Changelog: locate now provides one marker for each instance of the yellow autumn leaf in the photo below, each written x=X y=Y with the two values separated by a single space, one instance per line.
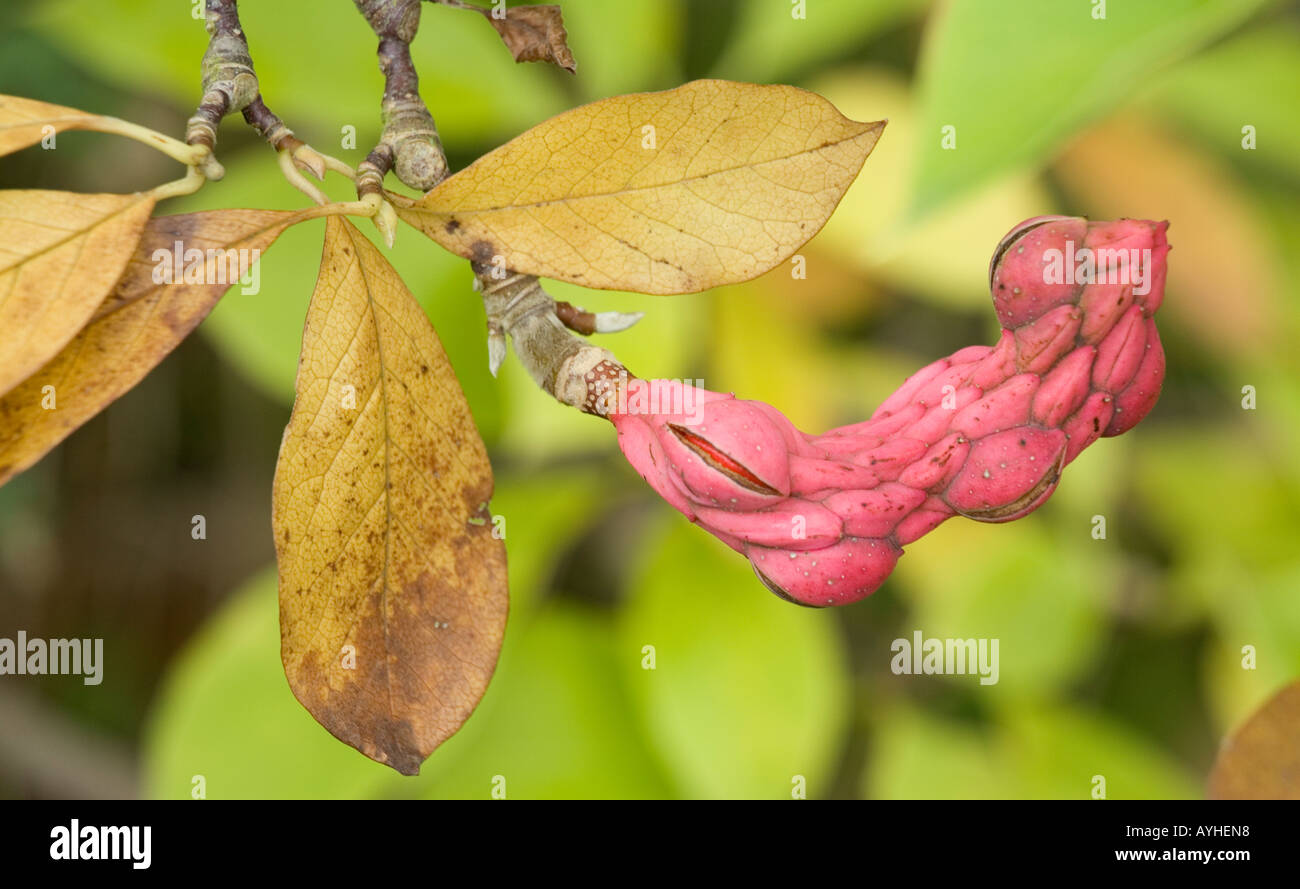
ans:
x=392 y=583
x=711 y=183
x=25 y=122
x=60 y=255
x=157 y=303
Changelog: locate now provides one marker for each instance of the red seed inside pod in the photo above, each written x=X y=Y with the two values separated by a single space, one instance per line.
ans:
x=720 y=461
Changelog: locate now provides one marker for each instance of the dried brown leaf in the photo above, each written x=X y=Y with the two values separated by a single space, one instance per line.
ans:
x=535 y=34
x=1261 y=760
x=137 y=326
x=392 y=584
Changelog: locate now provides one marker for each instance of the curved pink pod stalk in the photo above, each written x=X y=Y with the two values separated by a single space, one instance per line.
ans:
x=983 y=433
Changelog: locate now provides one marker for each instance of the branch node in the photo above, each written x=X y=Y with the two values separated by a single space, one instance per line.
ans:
x=409 y=136
x=372 y=170
x=573 y=371
x=227 y=77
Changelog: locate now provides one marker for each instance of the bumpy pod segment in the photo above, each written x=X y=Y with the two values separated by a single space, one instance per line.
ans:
x=984 y=433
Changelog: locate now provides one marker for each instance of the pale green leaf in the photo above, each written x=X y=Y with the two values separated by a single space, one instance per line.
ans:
x=1015 y=78
x=747 y=693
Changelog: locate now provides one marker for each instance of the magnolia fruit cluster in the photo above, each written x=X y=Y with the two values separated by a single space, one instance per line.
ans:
x=983 y=433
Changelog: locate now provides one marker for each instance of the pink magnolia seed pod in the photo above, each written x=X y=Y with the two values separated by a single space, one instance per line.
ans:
x=983 y=433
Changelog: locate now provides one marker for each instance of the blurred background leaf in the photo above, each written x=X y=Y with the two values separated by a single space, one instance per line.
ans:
x=1241 y=82
x=559 y=725
x=222 y=718
x=1038 y=593
x=1014 y=81
x=764 y=46
x=1033 y=754
x=739 y=720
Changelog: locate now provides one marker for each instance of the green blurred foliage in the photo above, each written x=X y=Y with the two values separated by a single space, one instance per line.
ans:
x=1038 y=753
x=1014 y=79
x=740 y=720
x=1241 y=82
x=1120 y=657
x=761 y=48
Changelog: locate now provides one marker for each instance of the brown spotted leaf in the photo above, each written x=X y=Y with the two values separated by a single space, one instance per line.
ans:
x=60 y=255
x=535 y=34
x=1261 y=760
x=711 y=183
x=392 y=585
x=152 y=308
x=25 y=122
